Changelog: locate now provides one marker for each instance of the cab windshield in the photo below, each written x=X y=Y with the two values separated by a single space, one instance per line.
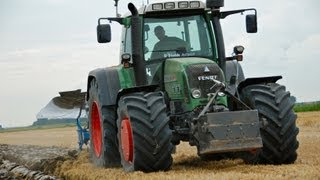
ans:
x=186 y=36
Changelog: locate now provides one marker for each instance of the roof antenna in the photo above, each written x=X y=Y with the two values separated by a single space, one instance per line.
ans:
x=116 y=5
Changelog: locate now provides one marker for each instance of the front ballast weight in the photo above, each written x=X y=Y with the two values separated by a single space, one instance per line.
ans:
x=226 y=131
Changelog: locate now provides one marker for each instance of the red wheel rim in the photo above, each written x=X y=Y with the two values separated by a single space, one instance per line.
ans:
x=126 y=140
x=96 y=129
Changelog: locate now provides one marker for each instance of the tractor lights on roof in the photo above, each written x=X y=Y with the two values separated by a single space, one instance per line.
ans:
x=194 y=4
x=175 y=6
x=183 y=4
x=169 y=5
x=186 y=4
x=157 y=7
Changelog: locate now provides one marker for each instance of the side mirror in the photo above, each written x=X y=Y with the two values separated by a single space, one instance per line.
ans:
x=251 y=23
x=103 y=33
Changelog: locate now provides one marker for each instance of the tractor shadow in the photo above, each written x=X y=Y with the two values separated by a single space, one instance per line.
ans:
x=194 y=163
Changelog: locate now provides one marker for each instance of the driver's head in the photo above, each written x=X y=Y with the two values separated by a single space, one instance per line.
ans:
x=159 y=32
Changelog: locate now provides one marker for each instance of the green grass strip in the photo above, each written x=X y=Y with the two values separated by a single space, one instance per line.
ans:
x=305 y=107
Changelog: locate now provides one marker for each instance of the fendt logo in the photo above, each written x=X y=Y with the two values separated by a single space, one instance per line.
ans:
x=206 y=69
x=206 y=78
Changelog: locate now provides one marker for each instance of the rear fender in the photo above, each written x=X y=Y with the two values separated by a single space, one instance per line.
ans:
x=108 y=82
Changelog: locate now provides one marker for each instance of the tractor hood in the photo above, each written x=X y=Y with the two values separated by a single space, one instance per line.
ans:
x=185 y=61
x=198 y=66
x=182 y=76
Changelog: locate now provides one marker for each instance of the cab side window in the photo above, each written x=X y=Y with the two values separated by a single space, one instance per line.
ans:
x=127 y=45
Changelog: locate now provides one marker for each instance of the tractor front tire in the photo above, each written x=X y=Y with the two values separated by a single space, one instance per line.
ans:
x=143 y=132
x=103 y=133
x=277 y=123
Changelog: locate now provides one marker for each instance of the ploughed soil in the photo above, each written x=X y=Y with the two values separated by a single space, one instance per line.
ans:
x=52 y=153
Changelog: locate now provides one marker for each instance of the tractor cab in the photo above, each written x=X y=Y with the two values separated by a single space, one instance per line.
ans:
x=169 y=30
x=166 y=30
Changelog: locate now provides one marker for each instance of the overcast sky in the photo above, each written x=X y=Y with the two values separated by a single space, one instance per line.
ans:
x=47 y=46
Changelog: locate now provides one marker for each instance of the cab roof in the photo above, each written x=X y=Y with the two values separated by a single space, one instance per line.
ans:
x=160 y=7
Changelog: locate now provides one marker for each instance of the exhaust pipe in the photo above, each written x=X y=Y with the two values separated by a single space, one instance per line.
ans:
x=139 y=64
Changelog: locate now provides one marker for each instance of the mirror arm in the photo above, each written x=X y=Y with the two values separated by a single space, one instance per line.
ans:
x=224 y=14
x=238 y=57
x=116 y=19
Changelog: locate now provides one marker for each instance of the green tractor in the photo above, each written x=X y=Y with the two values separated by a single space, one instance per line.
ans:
x=174 y=83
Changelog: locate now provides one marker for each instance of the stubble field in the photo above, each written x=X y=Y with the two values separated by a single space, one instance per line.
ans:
x=186 y=165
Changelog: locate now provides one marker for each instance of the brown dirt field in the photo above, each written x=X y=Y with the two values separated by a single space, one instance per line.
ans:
x=62 y=137
x=186 y=164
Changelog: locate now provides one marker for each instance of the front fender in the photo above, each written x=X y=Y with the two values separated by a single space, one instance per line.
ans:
x=234 y=76
x=258 y=80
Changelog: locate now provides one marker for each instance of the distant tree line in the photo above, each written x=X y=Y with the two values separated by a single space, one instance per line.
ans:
x=307 y=106
x=46 y=121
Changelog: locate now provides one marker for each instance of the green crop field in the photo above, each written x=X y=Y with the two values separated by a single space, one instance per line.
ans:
x=305 y=107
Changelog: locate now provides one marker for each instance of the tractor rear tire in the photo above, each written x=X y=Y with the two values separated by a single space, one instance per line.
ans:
x=103 y=133
x=277 y=123
x=144 y=135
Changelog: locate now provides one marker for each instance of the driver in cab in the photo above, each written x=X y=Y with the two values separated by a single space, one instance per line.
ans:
x=167 y=45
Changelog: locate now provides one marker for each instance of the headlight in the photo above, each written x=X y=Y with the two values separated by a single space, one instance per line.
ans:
x=196 y=93
x=221 y=94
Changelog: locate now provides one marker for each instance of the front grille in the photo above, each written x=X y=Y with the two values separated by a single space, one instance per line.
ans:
x=199 y=76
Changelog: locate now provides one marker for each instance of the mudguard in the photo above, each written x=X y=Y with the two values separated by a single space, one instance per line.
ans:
x=147 y=88
x=258 y=80
x=234 y=76
x=108 y=82
x=109 y=85
x=236 y=80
